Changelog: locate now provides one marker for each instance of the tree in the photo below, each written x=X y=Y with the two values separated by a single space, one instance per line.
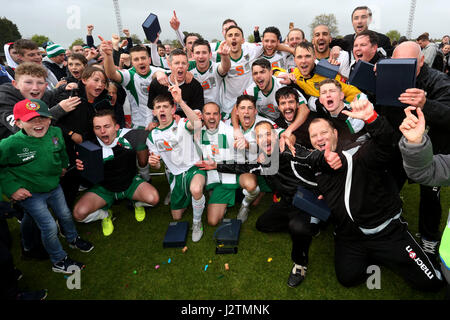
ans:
x=394 y=35
x=135 y=39
x=77 y=41
x=328 y=20
x=40 y=39
x=173 y=43
x=251 y=38
x=8 y=32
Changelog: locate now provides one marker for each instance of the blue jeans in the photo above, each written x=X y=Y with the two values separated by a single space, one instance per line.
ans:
x=37 y=207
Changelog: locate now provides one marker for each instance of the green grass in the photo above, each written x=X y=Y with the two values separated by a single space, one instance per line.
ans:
x=111 y=266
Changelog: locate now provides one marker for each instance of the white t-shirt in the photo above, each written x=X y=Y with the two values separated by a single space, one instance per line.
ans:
x=136 y=87
x=211 y=82
x=218 y=146
x=252 y=153
x=239 y=77
x=175 y=145
x=266 y=104
x=278 y=60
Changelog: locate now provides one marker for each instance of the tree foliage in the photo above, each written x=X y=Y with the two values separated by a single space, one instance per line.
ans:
x=8 y=32
x=40 y=39
x=394 y=35
x=328 y=20
x=77 y=41
x=135 y=39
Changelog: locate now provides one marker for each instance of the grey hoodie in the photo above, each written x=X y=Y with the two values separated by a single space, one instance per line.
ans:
x=422 y=166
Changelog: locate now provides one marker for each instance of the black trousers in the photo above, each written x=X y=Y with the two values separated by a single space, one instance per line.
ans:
x=430 y=213
x=393 y=247
x=8 y=280
x=284 y=217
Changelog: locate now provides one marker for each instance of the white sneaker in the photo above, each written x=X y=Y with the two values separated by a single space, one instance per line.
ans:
x=197 y=231
x=243 y=213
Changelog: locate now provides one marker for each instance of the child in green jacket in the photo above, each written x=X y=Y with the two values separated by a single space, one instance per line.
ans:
x=32 y=162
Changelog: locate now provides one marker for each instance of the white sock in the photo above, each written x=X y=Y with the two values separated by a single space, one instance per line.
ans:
x=99 y=214
x=197 y=208
x=142 y=204
x=249 y=196
x=144 y=172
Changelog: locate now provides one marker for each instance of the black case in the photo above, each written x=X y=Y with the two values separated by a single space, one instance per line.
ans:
x=228 y=232
x=326 y=69
x=92 y=157
x=176 y=235
x=394 y=76
x=151 y=27
x=308 y=202
x=363 y=76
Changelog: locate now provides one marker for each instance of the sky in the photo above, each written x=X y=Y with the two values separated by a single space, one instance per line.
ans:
x=64 y=21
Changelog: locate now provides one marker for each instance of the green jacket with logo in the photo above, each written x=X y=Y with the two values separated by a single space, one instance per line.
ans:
x=32 y=163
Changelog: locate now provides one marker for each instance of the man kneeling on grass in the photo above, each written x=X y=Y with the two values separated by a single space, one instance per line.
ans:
x=173 y=143
x=120 y=148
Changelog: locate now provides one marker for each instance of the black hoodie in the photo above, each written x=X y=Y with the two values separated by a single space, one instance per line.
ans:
x=9 y=96
x=80 y=120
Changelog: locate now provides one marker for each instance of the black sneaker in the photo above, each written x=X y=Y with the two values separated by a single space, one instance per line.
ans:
x=82 y=245
x=32 y=295
x=65 y=264
x=431 y=250
x=296 y=276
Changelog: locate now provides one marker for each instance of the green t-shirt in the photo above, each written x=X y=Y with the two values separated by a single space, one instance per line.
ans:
x=32 y=163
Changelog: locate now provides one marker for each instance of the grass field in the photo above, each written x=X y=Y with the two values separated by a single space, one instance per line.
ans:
x=122 y=266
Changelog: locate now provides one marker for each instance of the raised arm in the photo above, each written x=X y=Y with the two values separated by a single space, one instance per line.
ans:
x=225 y=62
x=106 y=49
x=194 y=122
x=417 y=152
x=175 y=24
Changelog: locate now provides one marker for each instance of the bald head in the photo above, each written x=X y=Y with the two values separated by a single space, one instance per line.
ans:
x=409 y=49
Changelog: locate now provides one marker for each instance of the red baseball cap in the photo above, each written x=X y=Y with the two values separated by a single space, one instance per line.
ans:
x=28 y=109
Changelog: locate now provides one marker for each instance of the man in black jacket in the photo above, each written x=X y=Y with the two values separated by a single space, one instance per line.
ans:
x=361 y=18
x=432 y=95
x=365 y=205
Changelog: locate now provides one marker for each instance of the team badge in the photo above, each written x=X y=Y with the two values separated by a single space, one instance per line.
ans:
x=33 y=106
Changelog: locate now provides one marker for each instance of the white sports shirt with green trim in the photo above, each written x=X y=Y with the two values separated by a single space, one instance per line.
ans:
x=175 y=145
x=136 y=87
x=210 y=80
x=267 y=104
x=218 y=146
x=278 y=60
x=252 y=153
x=239 y=77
